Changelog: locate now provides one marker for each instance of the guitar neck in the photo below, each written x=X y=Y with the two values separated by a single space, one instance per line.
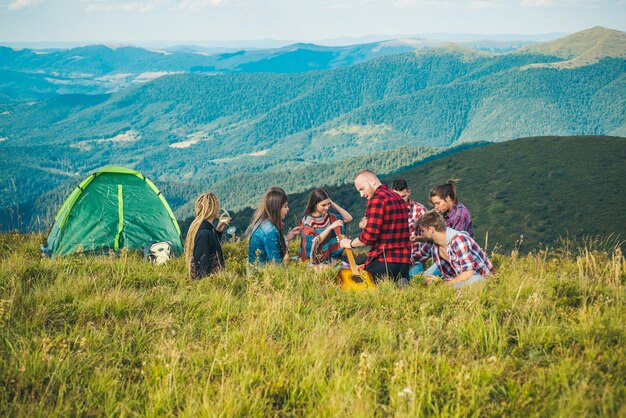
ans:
x=350 y=255
x=352 y=262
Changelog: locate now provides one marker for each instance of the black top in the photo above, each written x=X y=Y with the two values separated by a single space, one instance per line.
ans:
x=207 y=251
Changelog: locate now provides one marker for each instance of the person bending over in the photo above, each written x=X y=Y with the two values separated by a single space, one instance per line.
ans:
x=445 y=199
x=386 y=232
x=456 y=254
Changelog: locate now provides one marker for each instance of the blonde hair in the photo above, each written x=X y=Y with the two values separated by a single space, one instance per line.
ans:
x=207 y=206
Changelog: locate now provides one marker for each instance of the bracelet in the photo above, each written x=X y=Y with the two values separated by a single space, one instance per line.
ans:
x=351 y=243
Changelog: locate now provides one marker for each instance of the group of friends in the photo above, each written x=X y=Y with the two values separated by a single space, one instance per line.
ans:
x=402 y=235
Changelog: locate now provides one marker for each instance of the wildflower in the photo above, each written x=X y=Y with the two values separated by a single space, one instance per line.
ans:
x=533 y=298
x=406 y=394
x=364 y=367
x=4 y=303
x=409 y=337
x=398 y=368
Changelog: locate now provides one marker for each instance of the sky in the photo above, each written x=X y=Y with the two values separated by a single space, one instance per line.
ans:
x=294 y=20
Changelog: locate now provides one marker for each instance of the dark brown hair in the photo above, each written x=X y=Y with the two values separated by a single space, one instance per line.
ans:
x=399 y=185
x=269 y=209
x=316 y=196
x=448 y=189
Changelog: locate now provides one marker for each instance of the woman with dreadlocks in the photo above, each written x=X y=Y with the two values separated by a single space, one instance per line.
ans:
x=203 y=251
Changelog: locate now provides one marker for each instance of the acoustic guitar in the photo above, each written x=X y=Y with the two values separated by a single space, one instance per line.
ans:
x=352 y=278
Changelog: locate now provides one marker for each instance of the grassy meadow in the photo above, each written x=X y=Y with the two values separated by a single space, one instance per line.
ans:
x=115 y=336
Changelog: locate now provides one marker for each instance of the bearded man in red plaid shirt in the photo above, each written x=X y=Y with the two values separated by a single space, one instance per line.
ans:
x=387 y=230
x=459 y=258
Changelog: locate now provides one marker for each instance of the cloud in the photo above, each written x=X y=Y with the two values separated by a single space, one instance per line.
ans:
x=147 y=6
x=483 y=4
x=143 y=6
x=571 y=3
x=197 y=5
x=535 y=3
x=22 y=4
x=334 y=5
x=475 y=4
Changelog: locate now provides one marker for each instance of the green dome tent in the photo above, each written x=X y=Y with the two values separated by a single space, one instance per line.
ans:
x=111 y=209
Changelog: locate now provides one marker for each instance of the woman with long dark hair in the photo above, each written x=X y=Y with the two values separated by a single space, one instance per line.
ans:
x=267 y=242
x=318 y=231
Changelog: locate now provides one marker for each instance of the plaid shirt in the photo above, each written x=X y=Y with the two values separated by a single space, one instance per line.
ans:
x=420 y=251
x=464 y=254
x=387 y=230
x=459 y=218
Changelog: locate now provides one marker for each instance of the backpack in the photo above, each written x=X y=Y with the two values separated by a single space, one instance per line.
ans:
x=157 y=252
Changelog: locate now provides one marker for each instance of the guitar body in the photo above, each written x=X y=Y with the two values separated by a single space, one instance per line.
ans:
x=347 y=280
x=352 y=278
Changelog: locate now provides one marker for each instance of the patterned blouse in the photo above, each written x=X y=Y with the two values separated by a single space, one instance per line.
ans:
x=311 y=249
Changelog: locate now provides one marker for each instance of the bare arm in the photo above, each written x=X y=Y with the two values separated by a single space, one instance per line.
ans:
x=322 y=236
x=351 y=243
x=461 y=277
x=344 y=213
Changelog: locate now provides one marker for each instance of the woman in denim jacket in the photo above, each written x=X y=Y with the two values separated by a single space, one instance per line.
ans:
x=267 y=242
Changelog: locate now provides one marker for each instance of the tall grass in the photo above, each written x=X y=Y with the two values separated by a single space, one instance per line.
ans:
x=116 y=336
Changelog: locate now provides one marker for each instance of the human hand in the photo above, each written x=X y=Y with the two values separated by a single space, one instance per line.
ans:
x=337 y=223
x=363 y=223
x=346 y=243
x=292 y=233
x=419 y=238
x=431 y=279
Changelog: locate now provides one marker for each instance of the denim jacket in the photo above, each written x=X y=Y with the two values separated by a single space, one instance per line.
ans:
x=264 y=240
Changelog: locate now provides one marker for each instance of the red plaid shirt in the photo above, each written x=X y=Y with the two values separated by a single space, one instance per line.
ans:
x=464 y=254
x=420 y=251
x=387 y=230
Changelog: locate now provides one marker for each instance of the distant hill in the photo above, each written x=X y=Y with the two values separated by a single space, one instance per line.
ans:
x=581 y=48
x=540 y=188
x=97 y=69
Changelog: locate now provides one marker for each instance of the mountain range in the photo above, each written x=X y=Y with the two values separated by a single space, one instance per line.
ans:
x=93 y=69
x=240 y=132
